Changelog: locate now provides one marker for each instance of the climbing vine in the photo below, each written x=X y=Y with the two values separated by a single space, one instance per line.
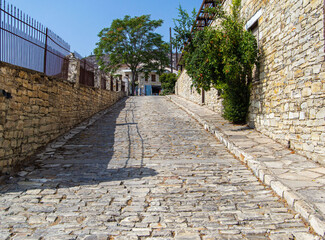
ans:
x=224 y=58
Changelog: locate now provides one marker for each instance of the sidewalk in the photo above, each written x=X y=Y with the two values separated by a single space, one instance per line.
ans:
x=298 y=180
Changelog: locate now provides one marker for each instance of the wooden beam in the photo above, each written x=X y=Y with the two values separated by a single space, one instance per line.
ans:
x=210 y=17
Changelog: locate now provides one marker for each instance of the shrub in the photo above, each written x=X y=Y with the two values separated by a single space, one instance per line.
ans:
x=224 y=58
x=168 y=81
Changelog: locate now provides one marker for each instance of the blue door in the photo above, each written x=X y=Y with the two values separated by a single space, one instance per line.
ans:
x=148 y=90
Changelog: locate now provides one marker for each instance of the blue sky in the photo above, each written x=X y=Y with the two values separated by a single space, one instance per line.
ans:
x=79 y=21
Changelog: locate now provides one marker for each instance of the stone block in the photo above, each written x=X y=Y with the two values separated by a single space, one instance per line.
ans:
x=318 y=224
x=306 y=92
x=320 y=158
x=268 y=179
x=3 y=105
x=43 y=95
x=302 y=116
x=278 y=187
x=315 y=136
x=35 y=109
x=2 y=154
x=23 y=75
x=298 y=73
x=28 y=131
x=25 y=99
x=312 y=113
x=321 y=113
x=308 y=147
x=316 y=87
x=293 y=115
x=302 y=208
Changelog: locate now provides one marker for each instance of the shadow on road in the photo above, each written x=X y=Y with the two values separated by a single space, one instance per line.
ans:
x=85 y=159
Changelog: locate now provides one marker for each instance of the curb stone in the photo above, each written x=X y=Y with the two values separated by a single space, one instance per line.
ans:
x=260 y=170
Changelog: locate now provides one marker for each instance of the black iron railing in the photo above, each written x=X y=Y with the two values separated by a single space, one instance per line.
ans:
x=87 y=75
x=103 y=81
x=27 y=43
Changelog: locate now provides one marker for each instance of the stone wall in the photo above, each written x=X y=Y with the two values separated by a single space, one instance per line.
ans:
x=288 y=98
x=211 y=98
x=184 y=88
x=41 y=109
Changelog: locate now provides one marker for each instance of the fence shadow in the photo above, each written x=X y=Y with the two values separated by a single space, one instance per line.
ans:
x=86 y=158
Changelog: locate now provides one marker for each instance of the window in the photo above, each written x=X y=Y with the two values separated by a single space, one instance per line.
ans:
x=255 y=30
x=253 y=27
x=153 y=78
x=146 y=78
x=252 y=24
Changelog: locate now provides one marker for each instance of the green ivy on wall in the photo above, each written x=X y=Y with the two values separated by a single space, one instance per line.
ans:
x=223 y=58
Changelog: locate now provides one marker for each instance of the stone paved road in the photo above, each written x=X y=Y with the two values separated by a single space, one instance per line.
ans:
x=145 y=170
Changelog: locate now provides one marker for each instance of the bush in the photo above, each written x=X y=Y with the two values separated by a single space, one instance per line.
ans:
x=224 y=58
x=168 y=81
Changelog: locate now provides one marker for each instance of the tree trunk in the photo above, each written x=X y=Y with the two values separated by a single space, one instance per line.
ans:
x=133 y=83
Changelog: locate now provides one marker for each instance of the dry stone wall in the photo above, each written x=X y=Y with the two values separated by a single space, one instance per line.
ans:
x=288 y=98
x=41 y=109
x=184 y=88
x=211 y=98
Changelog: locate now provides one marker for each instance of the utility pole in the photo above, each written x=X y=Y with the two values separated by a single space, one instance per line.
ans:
x=176 y=59
x=171 y=50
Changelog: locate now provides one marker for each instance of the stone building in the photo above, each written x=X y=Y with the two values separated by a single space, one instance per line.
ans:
x=147 y=84
x=288 y=96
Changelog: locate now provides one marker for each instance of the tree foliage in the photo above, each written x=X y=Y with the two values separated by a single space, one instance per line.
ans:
x=183 y=26
x=224 y=58
x=131 y=41
x=159 y=60
x=168 y=81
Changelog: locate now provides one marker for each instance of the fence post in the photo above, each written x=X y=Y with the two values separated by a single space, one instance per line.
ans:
x=74 y=70
x=98 y=78
x=45 y=50
x=84 y=73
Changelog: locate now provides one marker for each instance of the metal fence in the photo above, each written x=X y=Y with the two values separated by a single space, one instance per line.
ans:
x=27 y=43
x=87 y=75
x=103 y=81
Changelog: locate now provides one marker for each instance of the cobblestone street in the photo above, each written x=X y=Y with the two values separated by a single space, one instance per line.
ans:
x=144 y=170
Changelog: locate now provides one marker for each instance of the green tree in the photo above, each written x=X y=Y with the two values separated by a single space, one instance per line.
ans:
x=224 y=58
x=131 y=41
x=158 y=60
x=183 y=26
x=168 y=81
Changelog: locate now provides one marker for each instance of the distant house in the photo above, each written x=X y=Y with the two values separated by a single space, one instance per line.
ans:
x=146 y=85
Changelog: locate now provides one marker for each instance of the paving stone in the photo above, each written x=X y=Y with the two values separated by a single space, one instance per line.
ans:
x=270 y=161
x=144 y=170
x=4 y=235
